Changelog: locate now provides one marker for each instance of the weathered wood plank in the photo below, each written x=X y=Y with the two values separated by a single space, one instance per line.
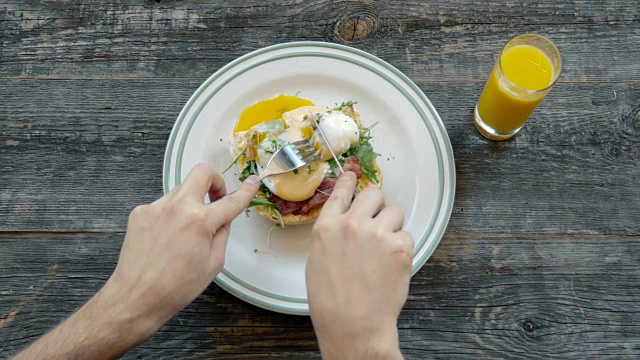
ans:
x=128 y=131
x=543 y=295
x=79 y=155
x=434 y=40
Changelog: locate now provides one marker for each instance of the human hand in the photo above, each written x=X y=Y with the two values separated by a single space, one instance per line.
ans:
x=173 y=249
x=358 y=274
x=175 y=246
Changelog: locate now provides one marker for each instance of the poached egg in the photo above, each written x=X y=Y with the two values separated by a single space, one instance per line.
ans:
x=341 y=132
x=296 y=124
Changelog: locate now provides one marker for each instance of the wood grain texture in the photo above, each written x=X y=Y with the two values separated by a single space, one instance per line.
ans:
x=79 y=155
x=500 y=296
x=541 y=258
x=428 y=40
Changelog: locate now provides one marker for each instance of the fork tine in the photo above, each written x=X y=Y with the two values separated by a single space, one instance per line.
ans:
x=304 y=145
x=311 y=159
x=304 y=148
x=291 y=156
x=306 y=154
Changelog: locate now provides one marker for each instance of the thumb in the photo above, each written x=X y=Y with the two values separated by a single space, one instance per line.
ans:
x=227 y=208
x=340 y=199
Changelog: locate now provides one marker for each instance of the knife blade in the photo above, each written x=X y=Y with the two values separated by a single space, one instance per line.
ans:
x=326 y=141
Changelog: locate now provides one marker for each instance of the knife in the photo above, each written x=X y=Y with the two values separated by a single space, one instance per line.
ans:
x=326 y=141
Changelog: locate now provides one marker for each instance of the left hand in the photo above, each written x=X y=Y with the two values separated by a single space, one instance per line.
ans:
x=173 y=249
x=175 y=246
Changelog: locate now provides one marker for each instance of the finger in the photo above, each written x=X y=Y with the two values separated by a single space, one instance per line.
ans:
x=219 y=248
x=227 y=208
x=391 y=218
x=202 y=179
x=170 y=195
x=340 y=198
x=216 y=193
x=406 y=241
x=368 y=203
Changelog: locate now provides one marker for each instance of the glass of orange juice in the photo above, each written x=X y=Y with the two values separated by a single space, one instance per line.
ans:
x=528 y=67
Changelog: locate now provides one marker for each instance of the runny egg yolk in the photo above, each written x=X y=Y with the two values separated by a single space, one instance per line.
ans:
x=271 y=109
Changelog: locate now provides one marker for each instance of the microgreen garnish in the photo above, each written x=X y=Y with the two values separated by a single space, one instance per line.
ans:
x=365 y=154
x=234 y=161
x=345 y=105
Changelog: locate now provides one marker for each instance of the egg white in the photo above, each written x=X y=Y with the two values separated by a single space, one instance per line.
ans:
x=340 y=130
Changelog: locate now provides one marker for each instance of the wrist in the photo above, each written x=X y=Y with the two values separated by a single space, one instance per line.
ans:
x=384 y=346
x=363 y=345
x=385 y=349
x=105 y=327
x=124 y=312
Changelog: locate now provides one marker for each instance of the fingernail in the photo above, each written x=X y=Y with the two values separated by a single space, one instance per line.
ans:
x=349 y=175
x=253 y=179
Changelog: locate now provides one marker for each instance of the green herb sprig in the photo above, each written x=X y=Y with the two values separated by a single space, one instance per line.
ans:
x=235 y=160
x=345 y=105
x=365 y=154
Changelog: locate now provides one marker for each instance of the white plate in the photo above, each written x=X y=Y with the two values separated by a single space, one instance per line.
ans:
x=417 y=160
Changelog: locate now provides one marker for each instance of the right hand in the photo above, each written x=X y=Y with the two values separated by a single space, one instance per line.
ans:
x=358 y=274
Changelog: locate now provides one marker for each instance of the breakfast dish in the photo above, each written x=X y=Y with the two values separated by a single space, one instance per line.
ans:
x=416 y=157
x=297 y=197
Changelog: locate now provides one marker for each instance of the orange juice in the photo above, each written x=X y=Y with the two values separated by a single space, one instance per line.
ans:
x=519 y=81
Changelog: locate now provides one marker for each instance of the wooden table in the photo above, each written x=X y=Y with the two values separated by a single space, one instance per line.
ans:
x=541 y=258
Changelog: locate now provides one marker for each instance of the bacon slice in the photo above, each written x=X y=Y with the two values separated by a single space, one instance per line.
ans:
x=321 y=195
x=352 y=164
x=285 y=207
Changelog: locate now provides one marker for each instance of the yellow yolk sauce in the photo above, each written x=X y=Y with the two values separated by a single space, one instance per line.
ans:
x=298 y=123
x=294 y=113
x=301 y=184
x=271 y=109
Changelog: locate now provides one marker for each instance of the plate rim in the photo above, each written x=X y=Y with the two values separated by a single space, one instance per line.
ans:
x=447 y=197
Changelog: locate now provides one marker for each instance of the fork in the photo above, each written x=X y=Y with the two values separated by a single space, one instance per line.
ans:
x=290 y=157
x=293 y=156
